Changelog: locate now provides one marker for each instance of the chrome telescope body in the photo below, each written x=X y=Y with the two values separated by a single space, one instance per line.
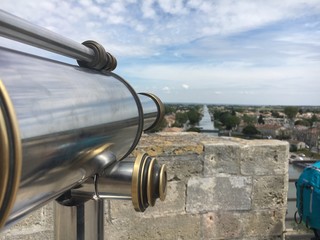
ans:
x=64 y=130
x=89 y=54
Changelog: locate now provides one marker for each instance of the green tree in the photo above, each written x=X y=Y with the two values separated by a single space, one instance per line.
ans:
x=302 y=122
x=275 y=114
x=249 y=119
x=293 y=148
x=218 y=114
x=313 y=119
x=181 y=118
x=291 y=112
x=169 y=109
x=227 y=119
x=193 y=129
x=194 y=116
x=261 y=120
x=231 y=122
x=250 y=130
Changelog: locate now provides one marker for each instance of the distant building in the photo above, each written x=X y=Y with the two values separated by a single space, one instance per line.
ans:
x=297 y=144
x=275 y=121
x=170 y=118
x=307 y=135
x=269 y=130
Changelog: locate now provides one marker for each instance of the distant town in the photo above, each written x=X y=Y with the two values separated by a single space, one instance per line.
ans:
x=299 y=125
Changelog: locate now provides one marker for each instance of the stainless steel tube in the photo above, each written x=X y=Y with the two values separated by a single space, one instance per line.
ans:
x=66 y=116
x=114 y=183
x=82 y=222
x=153 y=110
x=142 y=181
x=20 y=30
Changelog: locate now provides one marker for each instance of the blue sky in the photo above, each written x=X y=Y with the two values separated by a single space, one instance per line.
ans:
x=215 y=51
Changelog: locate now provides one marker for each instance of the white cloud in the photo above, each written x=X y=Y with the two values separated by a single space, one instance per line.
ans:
x=237 y=47
x=173 y=7
x=166 y=89
x=148 y=9
x=246 y=92
x=271 y=85
x=142 y=25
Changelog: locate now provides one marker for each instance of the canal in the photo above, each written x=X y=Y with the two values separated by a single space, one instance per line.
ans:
x=206 y=124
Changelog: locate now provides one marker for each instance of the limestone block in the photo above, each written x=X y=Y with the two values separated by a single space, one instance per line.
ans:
x=37 y=225
x=182 y=167
x=221 y=192
x=221 y=225
x=222 y=157
x=266 y=238
x=265 y=158
x=35 y=233
x=162 y=144
x=173 y=204
x=243 y=225
x=264 y=223
x=169 y=227
x=270 y=192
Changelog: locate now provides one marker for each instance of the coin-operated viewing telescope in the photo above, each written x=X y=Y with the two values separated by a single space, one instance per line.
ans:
x=66 y=132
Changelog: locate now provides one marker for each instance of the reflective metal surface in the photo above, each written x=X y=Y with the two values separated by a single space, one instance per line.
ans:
x=20 y=30
x=115 y=183
x=150 y=111
x=82 y=222
x=65 y=114
x=11 y=154
x=142 y=181
x=153 y=110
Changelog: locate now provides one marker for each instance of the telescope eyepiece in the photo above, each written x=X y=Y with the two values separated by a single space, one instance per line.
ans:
x=148 y=182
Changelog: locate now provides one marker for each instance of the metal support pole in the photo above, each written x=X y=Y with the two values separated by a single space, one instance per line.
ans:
x=82 y=222
x=20 y=30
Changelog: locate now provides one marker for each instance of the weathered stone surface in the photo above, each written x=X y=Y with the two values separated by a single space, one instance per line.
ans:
x=38 y=225
x=269 y=192
x=164 y=144
x=34 y=233
x=163 y=228
x=221 y=157
x=265 y=158
x=221 y=225
x=173 y=204
x=182 y=167
x=266 y=238
x=214 y=193
x=242 y=225
x=264 y=223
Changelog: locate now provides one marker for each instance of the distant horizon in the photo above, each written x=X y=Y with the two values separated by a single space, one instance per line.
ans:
x=247 y=105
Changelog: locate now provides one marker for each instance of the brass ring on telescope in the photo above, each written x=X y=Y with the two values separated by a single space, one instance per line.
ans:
x=4 y=162
x=135 y=187
x=160 y=107
x=14 y=151
x=163 y=183
x=150 y=182
x=143 y=182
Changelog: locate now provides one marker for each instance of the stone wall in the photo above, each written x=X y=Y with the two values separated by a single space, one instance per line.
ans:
x=219 y=188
